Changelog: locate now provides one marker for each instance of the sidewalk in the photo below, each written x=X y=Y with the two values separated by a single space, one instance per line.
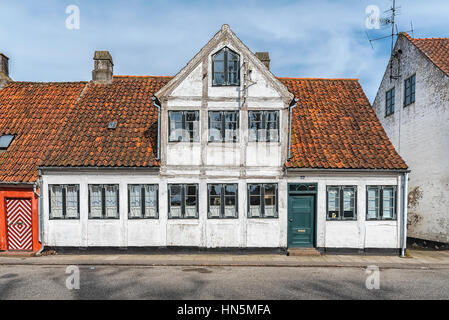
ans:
x=417 y=259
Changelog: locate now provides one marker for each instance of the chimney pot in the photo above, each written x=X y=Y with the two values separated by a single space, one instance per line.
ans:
x=103 y=67
x=4 y=70
x=265 y=58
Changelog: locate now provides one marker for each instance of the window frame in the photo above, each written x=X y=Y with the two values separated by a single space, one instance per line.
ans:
x=262 y=200
x=264 y=122
x=103 y=201
x=379 y=213
x=390 y=102
x=341 y=202
x=223 y=126
x=184 y=187
x=64 y=201
x=223 y=200
x=412 y=90
x=142 y=202
x=184 y=125
x=226 y=72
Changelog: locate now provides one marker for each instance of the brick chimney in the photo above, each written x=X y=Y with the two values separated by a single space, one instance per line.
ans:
x=265 y=58
x=4 y=70
x=103 y=67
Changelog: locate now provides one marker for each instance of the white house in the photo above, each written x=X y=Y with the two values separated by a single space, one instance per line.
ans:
x=413 y=106
x=222 y=155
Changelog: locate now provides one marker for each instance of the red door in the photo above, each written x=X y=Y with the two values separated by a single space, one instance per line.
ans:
x=18 y=217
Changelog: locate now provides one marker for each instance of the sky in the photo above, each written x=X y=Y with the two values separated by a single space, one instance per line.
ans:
x=320 y=38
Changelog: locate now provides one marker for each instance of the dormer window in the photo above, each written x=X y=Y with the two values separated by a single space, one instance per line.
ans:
x=226 y=68
x=5 y=141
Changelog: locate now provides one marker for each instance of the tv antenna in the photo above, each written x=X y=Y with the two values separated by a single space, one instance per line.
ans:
x=387 y=21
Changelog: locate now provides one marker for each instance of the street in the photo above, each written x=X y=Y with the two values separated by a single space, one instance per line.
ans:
x=130 y=282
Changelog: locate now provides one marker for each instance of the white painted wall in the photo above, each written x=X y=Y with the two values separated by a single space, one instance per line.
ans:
x=211 y=233
x=420 y=133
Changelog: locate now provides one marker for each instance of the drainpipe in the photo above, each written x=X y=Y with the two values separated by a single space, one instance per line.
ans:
x=40 y=213
x=290 y=129
x=404 y=204
x=158 y=127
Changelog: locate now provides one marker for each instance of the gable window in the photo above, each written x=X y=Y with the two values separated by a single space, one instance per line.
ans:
x=64 y=202
x=262 y=200
x=341 y=203
x=142 y=201
x=409 y=93
x=183 y=201
x=223 y=126
x=381 y=203
x=222 y=200
x=184 y=126
x=389 y=102
x=263 y=126
x=103 y=201
x=226 y=68
x=5 y=141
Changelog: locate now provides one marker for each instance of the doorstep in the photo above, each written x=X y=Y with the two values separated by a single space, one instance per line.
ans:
x=306 y=252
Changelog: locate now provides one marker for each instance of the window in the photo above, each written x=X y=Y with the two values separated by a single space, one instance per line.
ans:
x=143 y=201
x=226 y=68
x=184 y=126
x=409 y=96
x=341 y=203
x=381 y=203
x=222 y=201
x=263 y=126
x=104 y=201
x=64 y=201
x=389 y=102
x=183 y=201
x=262 y=201
x=5 y=141
x=223 y=126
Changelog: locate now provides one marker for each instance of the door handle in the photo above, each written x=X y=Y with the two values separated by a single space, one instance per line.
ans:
x=291 y=220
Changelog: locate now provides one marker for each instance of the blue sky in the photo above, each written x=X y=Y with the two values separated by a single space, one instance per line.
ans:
x=321 y=38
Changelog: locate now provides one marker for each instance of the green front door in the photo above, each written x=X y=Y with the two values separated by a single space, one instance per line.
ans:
x=301 y=221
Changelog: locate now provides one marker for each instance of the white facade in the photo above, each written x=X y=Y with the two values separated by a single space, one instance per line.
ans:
x=420 y=134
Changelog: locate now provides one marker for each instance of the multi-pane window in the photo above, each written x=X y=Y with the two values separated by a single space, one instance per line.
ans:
x=263 y=126
x=226 y=68
x=381 y=203
x=223 y=126
x=142 y=201
x=103 y=201
x=389 y=102
x=64 y=201
x=183 y=201
x=262 y=201
x=409 y=92
x=341 y=203
x=222 y=200
x=184 y=126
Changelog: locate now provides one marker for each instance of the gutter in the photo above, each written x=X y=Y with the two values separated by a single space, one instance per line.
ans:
x=100 y=168
x=290 y=110
x=158 y=127
x=321 y=170
x=404 y=204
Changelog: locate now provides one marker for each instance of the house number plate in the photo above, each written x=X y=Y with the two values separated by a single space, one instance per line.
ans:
x=301 y=230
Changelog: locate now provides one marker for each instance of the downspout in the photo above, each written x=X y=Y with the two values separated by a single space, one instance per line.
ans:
x=290 y=129
x=404 y=205
x=158 y=127
x=40 y=213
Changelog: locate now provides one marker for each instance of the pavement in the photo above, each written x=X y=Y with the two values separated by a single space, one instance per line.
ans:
x=416 y=259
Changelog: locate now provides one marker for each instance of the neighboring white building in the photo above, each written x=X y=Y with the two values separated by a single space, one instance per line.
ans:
x=413 y=106
x=206 y=159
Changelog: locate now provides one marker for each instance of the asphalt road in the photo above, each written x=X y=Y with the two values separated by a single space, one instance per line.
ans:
x=110 y=282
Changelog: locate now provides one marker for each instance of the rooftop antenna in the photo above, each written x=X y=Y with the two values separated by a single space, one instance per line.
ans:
x=390 y=20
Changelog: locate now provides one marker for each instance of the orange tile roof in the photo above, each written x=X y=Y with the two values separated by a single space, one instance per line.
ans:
x=436 y=49
x=335 y=127
x=66 y=125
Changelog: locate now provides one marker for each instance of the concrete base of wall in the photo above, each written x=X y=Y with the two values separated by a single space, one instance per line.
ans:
x=366 y=251
x=426 y=244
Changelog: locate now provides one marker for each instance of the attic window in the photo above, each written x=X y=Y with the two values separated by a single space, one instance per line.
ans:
x=5 y=141
x=226 y=68
x=112 y=125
